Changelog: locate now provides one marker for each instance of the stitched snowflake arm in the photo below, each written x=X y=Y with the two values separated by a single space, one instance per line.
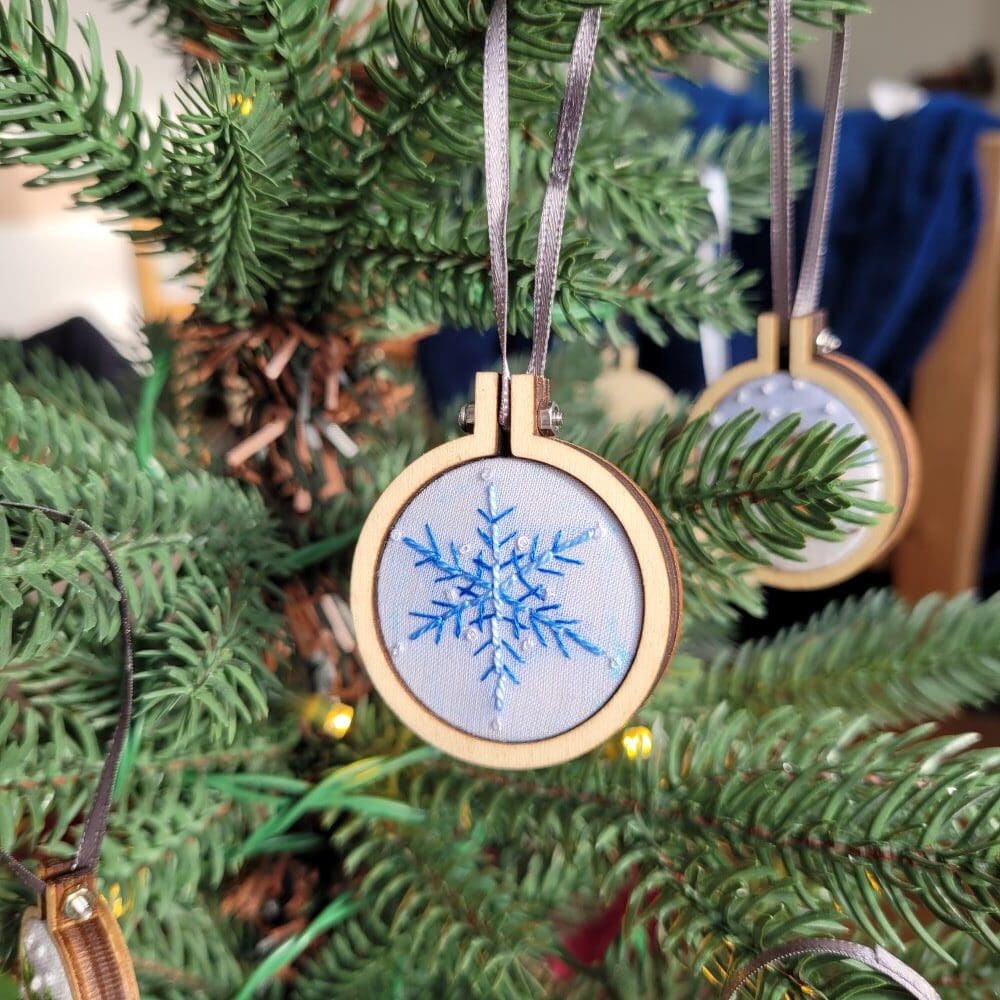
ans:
x=560 y=629
x=451 y=568
x=494 y=538
x=452 y=612
x=548 y=560
x=499 y=670
x=469 y=594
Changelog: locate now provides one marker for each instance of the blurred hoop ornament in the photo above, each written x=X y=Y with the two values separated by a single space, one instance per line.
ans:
x=797 y=369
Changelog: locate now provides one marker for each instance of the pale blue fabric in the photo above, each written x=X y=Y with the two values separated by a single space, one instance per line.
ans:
x=538 y=544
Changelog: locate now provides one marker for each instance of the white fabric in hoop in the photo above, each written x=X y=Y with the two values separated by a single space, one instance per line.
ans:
x=517 y=535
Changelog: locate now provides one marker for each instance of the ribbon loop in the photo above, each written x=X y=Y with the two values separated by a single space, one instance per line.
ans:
x=496 y=122
x=96 y=824
x=878 y=959
x=806 y=297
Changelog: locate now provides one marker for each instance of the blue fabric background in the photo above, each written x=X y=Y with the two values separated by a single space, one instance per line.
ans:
x=905 y=218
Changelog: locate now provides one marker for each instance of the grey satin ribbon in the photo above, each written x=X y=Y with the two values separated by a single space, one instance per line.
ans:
x=875 y=958
x=89 y=851
x=805 y=301
x=496 y=122
x=806 y=298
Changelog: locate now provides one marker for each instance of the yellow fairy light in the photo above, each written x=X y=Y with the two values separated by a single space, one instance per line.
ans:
x=333 y=717
x=338 y=720
x=116 y=901
x=244 y=103
x=637 y=742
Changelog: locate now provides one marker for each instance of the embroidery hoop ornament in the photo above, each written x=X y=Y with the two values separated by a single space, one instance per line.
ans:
x=512 y=417
x=70 y=945
x=794 y=338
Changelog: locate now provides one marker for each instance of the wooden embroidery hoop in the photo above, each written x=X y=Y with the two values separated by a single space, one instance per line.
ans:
x=79 y=926
x=638 y=517
x=91 y=947
x=877 y=409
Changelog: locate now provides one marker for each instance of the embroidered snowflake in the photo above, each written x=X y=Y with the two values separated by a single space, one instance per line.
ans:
x=495 y=596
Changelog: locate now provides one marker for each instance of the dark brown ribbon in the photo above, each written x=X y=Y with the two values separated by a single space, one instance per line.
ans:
x=96 y=825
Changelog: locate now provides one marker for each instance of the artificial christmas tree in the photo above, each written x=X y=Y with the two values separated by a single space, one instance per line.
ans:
x=275 y=831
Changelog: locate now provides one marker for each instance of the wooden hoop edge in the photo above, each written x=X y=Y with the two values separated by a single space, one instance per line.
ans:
x=880 y=414
x=62 y=930
x=646 y=667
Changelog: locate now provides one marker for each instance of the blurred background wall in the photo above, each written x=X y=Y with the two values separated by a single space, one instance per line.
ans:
x=903 y=39
x=119 y=28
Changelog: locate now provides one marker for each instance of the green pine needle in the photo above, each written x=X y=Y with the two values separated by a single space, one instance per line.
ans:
x=332 y=914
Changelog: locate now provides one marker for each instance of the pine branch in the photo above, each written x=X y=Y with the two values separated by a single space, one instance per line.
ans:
x=66 y=451
x=681 y=26
x=50 y=762
x=886 y=826
x=436 y=899
x=195 y=550
x=261 y=41
x=228 y=162
x=730 y=505
x=427 y=267
x=282 y=194
x=752 y=499
x=182 y=950
x=93 y=407
x=702 y=837
x=970 y=971
x=713 y=917
x=191 y=665
x=438 y=50
x=174 y=835
x=901 y=664
x=53 y=113
x=158 y=525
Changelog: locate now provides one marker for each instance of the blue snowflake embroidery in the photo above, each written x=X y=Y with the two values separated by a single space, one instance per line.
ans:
x=497 y=598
